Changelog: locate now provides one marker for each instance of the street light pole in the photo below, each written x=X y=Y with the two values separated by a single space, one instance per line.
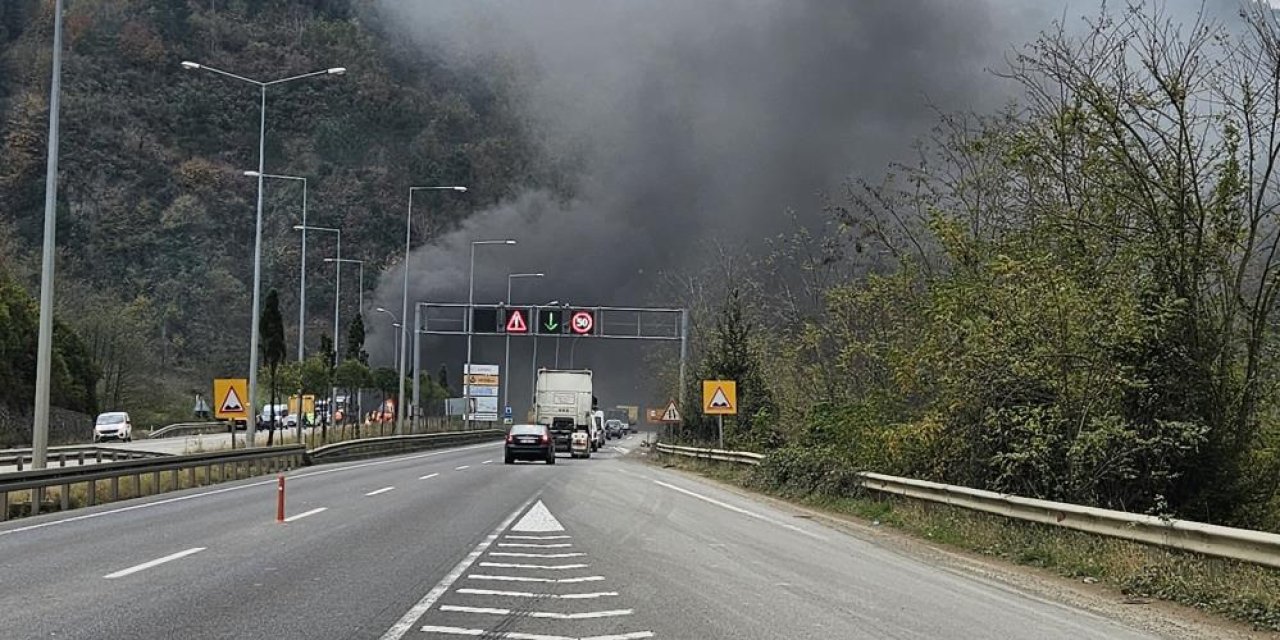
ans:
x=506 y=363
x=251 y=426
x=44 y=348
x=471 y=300
x=339 y=261
x=302 y=267
x=404 y=302
x=337 y=291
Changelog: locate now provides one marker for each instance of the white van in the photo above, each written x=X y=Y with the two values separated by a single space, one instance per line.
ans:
x=597 y=430
x=115 y=425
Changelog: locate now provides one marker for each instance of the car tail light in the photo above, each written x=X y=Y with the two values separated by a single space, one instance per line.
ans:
x=510 y=438
x=544 y=438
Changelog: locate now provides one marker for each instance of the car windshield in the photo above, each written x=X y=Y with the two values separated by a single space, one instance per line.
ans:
x=110 y=418
x=528 y=430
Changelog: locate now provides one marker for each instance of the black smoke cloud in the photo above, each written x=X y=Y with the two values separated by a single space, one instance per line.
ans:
x=696 y=120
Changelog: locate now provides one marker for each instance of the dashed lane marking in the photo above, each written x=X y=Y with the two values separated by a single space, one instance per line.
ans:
x=428 y=476
x=152 y=563
x=520 y=537
x=534 y=545
x=296 y=517
x=380 y=491
x=462 y=468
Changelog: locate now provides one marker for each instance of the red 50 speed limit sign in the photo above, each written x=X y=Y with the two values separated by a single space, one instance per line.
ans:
x=582 y=322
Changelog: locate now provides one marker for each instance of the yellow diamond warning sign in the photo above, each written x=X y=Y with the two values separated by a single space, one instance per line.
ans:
x=719 y=397
x=230 y=396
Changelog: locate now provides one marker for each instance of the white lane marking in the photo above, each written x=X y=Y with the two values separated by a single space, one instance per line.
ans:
x=518 y=537
x=514 y=635
x=586 y=615
x=239 y=487
x=538 y=520
x=751 y=514
x=428 y=476
x=405 y=623
x=486 y=462
x=528 y=594
x=552 y=567
x=481 y=576
x=534 y=545
x=509 y=554
x=463 y=467
x=296 y=517
x=153 y=563
x=378 y=491
x=619 y=449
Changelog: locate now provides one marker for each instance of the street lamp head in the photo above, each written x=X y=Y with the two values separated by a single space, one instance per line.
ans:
x=299 y=227
x=458 y=188
x=381 y=310
x=337 y=71
x=510 y=242
x=252 y=174
x=187 y=64
x=395 y=324
x=537 y=275
x=330 y=259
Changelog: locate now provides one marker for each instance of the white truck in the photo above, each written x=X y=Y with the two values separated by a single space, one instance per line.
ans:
x=564 y=402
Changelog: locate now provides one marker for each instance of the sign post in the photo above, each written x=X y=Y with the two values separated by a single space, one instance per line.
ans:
x=720 y=399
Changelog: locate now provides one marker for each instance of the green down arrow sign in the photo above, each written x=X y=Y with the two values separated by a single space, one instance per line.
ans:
x=551 y=321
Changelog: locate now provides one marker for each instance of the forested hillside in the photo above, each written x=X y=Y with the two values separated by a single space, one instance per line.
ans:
x=155 y=217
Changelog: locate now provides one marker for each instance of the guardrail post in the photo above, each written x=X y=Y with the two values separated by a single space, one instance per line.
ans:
x=115 y=489
x=4 y=506
x=36 y=495
x=93 y=492
x=137 y=485
x=66 y=497
x=19 y=462
x=191 y=476
x=97 y=457
x=62 y=459
x=82 y=458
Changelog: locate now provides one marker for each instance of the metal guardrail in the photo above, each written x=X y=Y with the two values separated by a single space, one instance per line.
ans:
x=742 y=457
x=183 y=427
x=386 y=445
x=1258 y=547
x=73 y=454
x=230 y=464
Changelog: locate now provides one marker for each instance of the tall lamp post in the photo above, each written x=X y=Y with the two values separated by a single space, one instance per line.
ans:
x=533 y=329
x=360 y=312
x=251 y=428
x=404 y=303
x=471 y=300
x=337 y=292
x=302 y=267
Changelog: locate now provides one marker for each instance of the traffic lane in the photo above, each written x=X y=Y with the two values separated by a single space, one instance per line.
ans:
x=329 y=575
x=85 y=536
x=741 y=569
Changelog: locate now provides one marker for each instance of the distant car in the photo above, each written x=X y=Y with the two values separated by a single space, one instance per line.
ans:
x=614 y=428
x=115 y=425
x=530 y=442
x=278 y=413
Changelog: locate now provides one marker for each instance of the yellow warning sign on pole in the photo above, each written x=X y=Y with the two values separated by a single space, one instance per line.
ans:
x=230 y=396
x=719 y=397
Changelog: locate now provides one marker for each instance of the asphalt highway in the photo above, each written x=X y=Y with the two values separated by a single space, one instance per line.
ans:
x=455 y=544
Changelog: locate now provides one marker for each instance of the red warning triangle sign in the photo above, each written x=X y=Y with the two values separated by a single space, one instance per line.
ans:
x=232 y=404
x=516 y=323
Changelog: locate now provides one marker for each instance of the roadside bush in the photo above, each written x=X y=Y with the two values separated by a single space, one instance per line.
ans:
x=801 y=471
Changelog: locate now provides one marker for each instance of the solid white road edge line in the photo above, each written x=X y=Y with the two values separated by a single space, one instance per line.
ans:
x=205 y=494
x=586 y=615
x=147 y=565
x=405 y=623
x=378 y=491
x=750 y=514
x=304 y=514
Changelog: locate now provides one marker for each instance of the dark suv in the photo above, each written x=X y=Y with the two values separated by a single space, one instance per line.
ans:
x=530 y=442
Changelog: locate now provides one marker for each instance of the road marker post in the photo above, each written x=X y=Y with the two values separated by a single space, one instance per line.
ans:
x=280 y=498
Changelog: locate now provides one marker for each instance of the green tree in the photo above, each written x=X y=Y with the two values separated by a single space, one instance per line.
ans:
x=734 y=355
x=272 y=345
x=353 y=376
x=442 y=379
x=355 y=341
